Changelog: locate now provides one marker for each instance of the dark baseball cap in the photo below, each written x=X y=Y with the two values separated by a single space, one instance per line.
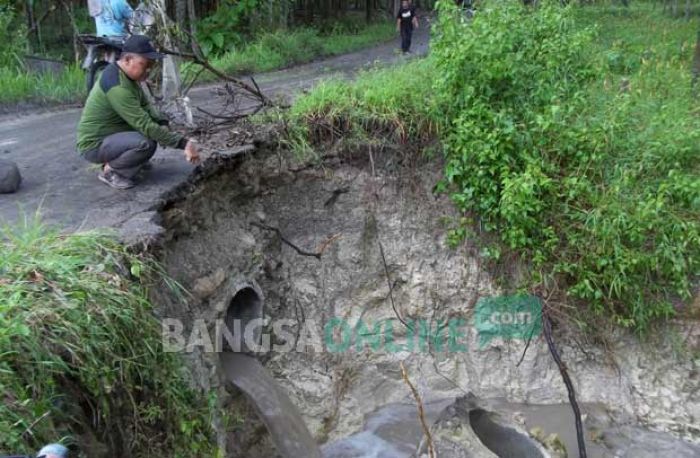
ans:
x=141 y=44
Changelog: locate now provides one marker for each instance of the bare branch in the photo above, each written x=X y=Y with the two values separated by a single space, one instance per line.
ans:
x=302 y=252
x=547 y=325
x=421 y=411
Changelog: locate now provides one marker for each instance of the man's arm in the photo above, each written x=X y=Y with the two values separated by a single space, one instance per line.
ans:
x=157 y=116
x=128 y=106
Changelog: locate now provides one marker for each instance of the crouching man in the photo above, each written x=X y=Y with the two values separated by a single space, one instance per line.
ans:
x=119 y=129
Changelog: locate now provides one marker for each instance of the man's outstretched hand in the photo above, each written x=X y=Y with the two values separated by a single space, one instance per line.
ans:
x=191 y=153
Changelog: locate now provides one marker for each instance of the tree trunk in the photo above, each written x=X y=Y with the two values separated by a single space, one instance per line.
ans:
x=368 y=11
x=192 y=16
x=181 y=12
x=32 y=26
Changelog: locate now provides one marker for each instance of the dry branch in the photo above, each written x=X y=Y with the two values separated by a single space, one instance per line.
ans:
x=421 y=411
x=302 y=252
x=547 y=325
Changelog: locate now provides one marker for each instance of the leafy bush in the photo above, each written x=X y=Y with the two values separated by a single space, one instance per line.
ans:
x=12 y=37
x=594 y=183
x=223 y=30
x=81 y=351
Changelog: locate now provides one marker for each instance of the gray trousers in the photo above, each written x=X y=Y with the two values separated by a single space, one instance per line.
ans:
x=124 y=152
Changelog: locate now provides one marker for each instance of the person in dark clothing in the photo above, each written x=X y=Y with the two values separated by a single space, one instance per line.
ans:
x=406 y=21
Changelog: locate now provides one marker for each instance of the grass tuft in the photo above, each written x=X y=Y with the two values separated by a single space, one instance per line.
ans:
x=81 y=351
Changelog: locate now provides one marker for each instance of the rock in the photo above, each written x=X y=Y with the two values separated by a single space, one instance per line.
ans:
x=205 y=286
x=10 y=178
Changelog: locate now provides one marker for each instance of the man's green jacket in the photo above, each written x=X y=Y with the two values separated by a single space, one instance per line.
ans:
x=118 y=104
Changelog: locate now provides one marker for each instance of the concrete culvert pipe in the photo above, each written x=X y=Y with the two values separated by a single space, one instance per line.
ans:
x=243 y=321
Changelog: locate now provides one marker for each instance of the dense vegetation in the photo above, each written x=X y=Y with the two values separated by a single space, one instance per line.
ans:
x=575 y=145
x=82 y=354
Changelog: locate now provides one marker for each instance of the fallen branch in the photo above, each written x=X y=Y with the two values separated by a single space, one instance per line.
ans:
x=547 y=326
x=421 y=411
x=302 y=252
x=198 y=58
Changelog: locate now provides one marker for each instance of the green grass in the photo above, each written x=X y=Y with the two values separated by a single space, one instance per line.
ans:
x=81 y=350
x=392 y=104
x=577 y=152
x=281 y=49
x=44 y=89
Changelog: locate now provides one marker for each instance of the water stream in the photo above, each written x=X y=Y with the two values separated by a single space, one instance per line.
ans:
x=282 y=418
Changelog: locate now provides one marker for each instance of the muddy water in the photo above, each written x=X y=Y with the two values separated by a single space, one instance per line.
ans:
x=280 y=415
x=604 y=438
x=393 y=431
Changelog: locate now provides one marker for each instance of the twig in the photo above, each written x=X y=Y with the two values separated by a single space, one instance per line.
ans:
x=527 y=345
x=198 y=58
x=316 y=255
x=336 y=193
x=547 y=325
x=391 y=287
x=421 y=411
x=326 y=243
x=194 y=80
x=34 y=423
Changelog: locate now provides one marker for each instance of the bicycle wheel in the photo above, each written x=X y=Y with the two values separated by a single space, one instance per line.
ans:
x=93 y=73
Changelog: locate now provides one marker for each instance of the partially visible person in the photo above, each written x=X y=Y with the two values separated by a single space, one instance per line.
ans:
x=53 y=451
x=119 y=129
x=49 y=451
x=406 y=21
x=111 y=17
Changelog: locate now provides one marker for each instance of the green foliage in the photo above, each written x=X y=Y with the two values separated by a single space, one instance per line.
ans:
x=82 y=350
x=280 y=49
x=223 y=30
x=596 y=184
x=392 y=104
x=21 y=86
x=12 y=37
x=569 y=133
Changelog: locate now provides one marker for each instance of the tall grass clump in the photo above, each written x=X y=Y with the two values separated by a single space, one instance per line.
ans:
x=82 y=355
x=581 y=158
x=19 y=85
x=391 y=104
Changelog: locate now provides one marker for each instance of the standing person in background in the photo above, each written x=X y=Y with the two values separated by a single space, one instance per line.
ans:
x=111 y=17
x=406 y=21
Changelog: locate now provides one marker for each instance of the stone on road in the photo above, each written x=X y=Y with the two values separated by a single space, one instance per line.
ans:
x=10 y=178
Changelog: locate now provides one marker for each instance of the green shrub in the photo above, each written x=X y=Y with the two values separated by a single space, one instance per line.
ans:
x=81 y=351
x=12 y=37
x=592 y=178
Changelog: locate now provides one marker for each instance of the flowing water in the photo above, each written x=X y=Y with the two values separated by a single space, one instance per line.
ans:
x=282 y=418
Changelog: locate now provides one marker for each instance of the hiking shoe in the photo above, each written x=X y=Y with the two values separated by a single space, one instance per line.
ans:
x=115 y=180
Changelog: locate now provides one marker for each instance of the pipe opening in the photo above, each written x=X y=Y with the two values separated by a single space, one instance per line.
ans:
x=243 y=321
